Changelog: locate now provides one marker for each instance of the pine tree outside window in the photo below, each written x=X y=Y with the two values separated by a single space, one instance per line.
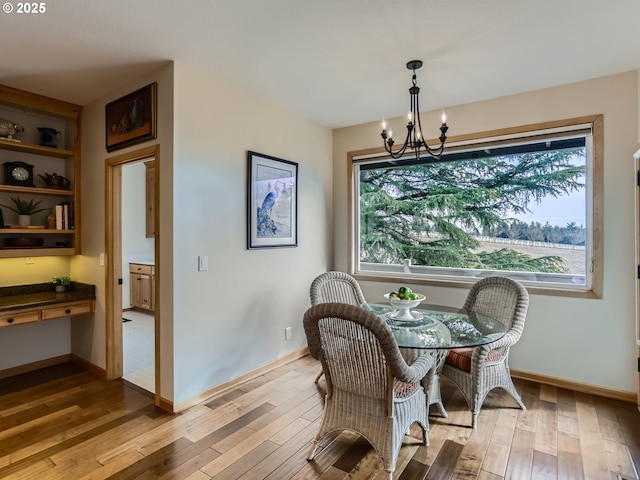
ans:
x=523 y=203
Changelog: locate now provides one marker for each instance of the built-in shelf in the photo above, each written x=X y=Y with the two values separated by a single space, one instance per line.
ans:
x=34 y=112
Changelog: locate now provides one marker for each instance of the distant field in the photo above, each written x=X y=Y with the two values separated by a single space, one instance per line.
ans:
x=575 y=258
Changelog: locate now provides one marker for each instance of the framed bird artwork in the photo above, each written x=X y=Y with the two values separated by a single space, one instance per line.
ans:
x=272 y=202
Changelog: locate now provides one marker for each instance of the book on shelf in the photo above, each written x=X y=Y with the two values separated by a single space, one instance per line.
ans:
x=58 y=217
x=64 y=216
x=71 y=216
x=29 y=227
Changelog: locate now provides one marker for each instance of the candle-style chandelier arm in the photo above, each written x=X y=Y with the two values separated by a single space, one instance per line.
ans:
x=389 y=142
x=415 y=139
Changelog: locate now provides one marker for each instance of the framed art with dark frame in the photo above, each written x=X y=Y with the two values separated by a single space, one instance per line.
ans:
x=272 y=202
x=131 y=119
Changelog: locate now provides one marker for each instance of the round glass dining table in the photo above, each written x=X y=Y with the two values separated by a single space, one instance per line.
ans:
x=440 y=327
x=436 y=329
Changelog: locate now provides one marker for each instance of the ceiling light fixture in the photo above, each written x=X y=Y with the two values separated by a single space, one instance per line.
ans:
x=415 y=140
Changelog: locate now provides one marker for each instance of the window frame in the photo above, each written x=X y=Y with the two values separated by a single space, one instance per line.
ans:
x=595 y=203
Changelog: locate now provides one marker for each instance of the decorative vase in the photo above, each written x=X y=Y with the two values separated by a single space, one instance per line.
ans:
x=49 y=137
x=61 y=288
x=24 y=220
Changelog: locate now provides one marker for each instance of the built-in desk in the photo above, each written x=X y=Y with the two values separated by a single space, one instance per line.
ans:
x=38 y=302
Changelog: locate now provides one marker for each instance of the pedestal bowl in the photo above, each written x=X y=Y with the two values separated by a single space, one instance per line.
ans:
x=404 y=307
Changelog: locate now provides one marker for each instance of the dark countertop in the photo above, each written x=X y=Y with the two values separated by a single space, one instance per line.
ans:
x=42 y=294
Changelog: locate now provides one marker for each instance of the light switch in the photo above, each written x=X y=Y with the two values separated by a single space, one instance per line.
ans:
x=102 y=259
x=203 y=263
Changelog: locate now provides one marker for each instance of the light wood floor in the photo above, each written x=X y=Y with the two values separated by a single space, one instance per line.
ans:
x=66 y=423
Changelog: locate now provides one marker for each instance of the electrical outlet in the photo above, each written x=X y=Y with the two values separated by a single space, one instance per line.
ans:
x=28 y=260
x=287 y=333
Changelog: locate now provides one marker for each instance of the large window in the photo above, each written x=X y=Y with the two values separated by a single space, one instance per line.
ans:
x=523 y=203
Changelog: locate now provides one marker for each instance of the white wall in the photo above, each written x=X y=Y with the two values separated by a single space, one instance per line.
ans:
x=584 y=340
x=222 y=323
x=230 y=319
x=88 y=338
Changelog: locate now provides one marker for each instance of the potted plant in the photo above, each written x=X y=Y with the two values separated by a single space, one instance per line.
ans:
x=61 y=283
x=24 y=209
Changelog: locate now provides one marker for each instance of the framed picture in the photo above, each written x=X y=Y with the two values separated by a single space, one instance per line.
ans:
x=272 y=202
x=131 y=119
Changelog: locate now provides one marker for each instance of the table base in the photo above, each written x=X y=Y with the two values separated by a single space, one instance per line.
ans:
x=431 y=382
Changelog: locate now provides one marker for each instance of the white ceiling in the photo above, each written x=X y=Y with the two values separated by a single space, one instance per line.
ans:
x=336 y=62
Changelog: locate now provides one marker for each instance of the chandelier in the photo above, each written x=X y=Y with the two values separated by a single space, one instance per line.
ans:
x=415 y=140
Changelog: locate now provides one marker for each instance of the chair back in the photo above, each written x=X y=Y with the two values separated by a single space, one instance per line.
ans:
x=501 y=298
x=337 y=287
x=356 y=347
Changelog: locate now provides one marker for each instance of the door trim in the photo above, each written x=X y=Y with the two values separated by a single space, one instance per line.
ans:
x=113 y=261
x=636 y=161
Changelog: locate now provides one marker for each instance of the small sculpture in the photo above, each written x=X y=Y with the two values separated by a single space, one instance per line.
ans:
x=8 y=129
x=51 y=221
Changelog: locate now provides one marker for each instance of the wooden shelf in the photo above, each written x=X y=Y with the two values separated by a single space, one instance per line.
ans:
x=38 y=231
x=34 y=149
x=35 y=190
x=36 y=252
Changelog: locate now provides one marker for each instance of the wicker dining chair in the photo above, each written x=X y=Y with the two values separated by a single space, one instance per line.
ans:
x=370 y=388
x=478 y=370
x=336 y=287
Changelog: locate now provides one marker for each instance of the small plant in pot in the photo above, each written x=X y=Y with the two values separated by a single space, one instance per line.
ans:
x=61 y=283
x=24 y=209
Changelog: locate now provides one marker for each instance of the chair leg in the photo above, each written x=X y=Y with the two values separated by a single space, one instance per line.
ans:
x=511 y=389
x=312 y=450
x=443 y=412
x=319 y=375
x=425 y=433
x=476 y=405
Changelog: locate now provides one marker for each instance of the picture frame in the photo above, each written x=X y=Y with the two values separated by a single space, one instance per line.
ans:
x=131 y=119
x=272 y=202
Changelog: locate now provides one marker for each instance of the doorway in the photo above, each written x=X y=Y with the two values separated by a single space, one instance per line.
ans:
x=118 y=258
x=138 y=274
